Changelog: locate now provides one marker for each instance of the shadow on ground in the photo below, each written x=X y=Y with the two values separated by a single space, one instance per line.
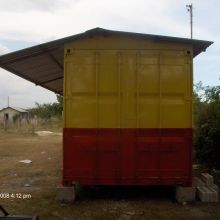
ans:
x=126 y=193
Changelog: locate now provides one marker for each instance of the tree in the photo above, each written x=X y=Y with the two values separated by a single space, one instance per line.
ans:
x=48 y=110
x=207 y=125
x=60 y=104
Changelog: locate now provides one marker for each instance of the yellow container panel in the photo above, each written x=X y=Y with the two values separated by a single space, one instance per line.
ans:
x=107 y=90
x=128 y=78
x=149 y=112
x=128 y=89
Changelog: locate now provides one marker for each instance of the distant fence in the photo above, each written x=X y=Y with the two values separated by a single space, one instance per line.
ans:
x=30 y=125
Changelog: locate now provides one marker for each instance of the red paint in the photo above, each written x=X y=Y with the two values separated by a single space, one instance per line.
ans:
x=111 y=156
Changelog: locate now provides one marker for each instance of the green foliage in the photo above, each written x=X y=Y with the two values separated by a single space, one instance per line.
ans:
x=60 y=101
x=46 y=111
x=207 y=125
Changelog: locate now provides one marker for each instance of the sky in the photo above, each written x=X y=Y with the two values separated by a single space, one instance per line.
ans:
x=25 y=23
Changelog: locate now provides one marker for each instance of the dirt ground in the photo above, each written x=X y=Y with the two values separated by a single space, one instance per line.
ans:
x=32 y=188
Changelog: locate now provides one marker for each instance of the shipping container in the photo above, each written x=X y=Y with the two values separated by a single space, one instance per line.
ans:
x=127 y=117
x=127 y=112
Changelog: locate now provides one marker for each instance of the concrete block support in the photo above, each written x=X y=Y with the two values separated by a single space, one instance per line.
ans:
x=206 y=194
x=66 y=194
x=206 y=190
x=207 y=178
x=209 y=181
x=198 y=182
x=215 y=187
x=185 y=194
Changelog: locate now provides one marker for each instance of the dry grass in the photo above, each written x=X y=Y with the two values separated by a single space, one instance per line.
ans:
x=53 y=124
x=44 y=174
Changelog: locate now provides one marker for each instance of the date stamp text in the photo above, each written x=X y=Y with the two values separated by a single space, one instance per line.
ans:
x=15 y=196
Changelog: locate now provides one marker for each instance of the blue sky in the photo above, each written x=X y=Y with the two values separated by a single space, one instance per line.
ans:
x=29 y=22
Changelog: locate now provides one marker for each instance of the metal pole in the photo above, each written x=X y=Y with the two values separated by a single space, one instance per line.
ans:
x=190 y=10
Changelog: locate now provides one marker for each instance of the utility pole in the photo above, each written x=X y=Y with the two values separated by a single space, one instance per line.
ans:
x=190 y=10
x=8 y=101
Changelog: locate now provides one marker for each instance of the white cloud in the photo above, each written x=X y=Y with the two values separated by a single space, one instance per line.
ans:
x=141 y=15
x=36 y=23
x=4 y=49
x=32 y=5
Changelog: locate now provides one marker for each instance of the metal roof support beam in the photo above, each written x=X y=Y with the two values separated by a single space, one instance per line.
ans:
x=53 y=58
x=60 y=92
x=50 y=74
x=25 y=57
x=25 y=77
x=16 y=72
x=51 y=80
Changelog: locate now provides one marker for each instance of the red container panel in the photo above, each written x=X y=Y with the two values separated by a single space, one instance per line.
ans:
x=127 y=156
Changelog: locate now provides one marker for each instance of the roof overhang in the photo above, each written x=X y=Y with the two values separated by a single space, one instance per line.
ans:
x=43 y=64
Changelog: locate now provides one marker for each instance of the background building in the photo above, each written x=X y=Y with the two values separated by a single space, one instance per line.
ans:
x=11 y=114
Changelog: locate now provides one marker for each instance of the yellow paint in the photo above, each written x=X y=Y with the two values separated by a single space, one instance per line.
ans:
x=127 y=83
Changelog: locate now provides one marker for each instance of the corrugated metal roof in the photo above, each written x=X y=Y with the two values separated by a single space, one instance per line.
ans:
x=43 y=64
x=19 y=109
x=16 y=109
